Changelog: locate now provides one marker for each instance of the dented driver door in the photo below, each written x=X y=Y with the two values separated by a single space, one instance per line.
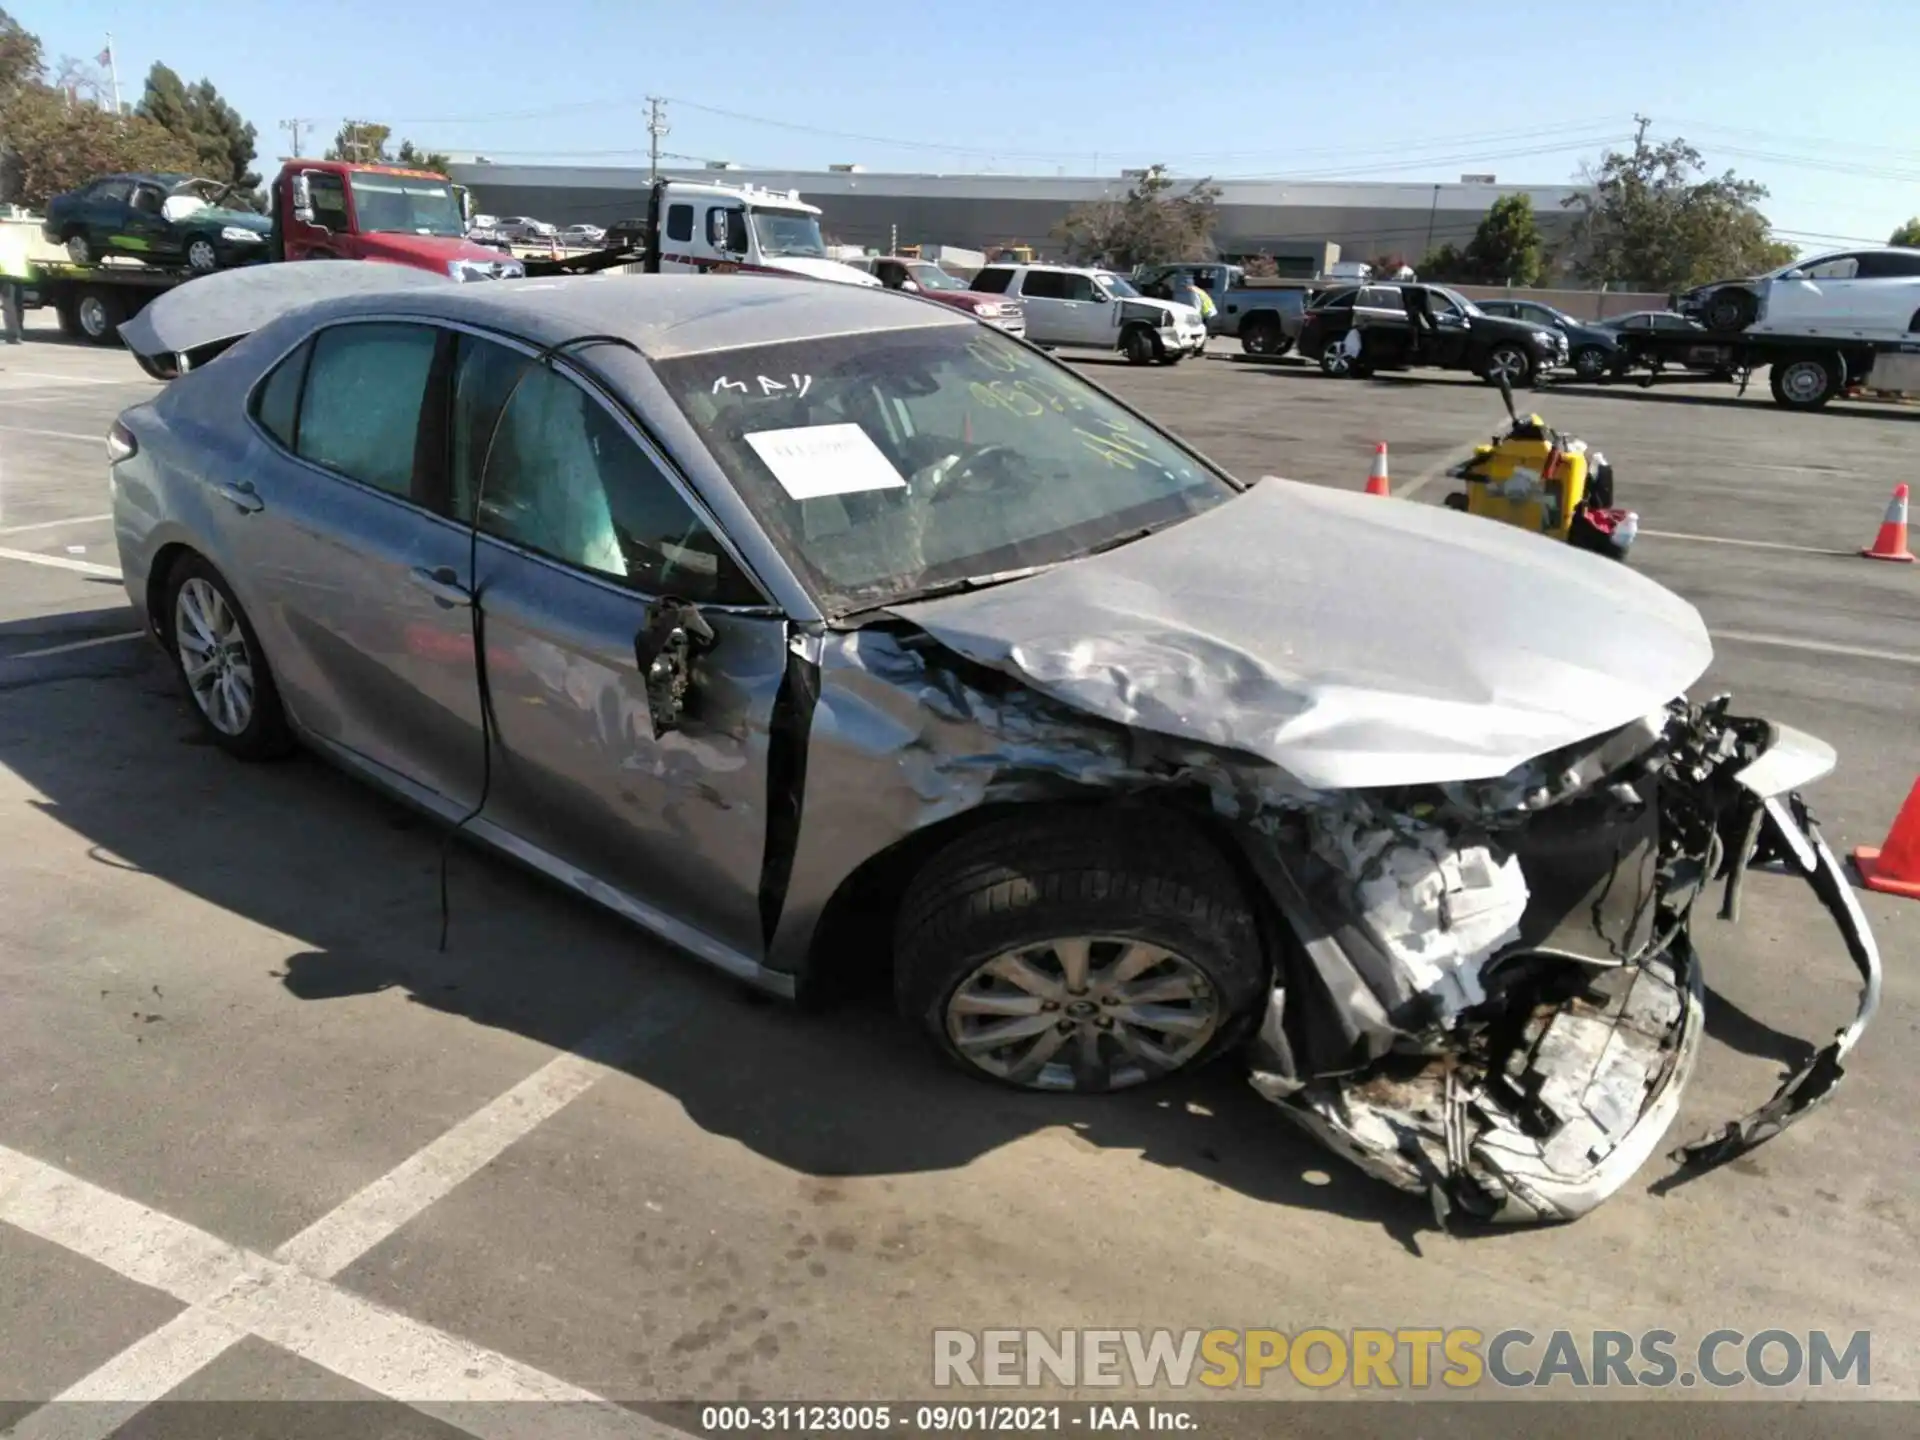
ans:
x=585 y=546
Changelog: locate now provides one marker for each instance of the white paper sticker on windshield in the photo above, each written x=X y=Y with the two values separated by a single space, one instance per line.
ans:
x=814 y=460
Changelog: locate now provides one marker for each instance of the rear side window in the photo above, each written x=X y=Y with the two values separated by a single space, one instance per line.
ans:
x=276 y=404
x=1887 y=264
x=680 y=222
x=992 y=281
x=360 y=409
x=1044 y=285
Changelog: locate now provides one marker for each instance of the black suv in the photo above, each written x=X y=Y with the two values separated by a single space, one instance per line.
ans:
x=1404 y=325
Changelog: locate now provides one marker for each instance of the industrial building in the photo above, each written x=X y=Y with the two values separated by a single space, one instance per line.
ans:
x=982 y=212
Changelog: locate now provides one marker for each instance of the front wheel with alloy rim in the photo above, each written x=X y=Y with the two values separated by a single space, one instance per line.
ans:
x=1805 y=382
x=202 y=257
x=1508 y=362
x=1079 y=951
x=1336 y=362
x=218 y=657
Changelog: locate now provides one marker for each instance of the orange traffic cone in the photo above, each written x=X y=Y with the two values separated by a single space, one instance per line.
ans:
x=1377 y=477
x=1895 y=866
x=1891 y=542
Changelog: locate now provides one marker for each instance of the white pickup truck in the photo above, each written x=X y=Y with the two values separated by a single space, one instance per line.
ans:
x=1096 y=309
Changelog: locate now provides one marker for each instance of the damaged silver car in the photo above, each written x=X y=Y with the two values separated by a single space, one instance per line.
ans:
x=806 y=625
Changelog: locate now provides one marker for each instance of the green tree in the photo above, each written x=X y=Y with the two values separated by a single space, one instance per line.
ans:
x=1645 y=219
x=1152 y=225
x=1506 y=248
x=1908 y=234
x=223 y=143
x=1444 y=263
x=361 y=141
x=419 y=159
x=49 y=145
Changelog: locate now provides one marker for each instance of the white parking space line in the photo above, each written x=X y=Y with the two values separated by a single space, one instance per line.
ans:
x=1748 y=544
x=60 y=562
x=290 y=1301
x=100 y=440
x=73 y=645
x=337 y=1239
x=52 y=524
x=54 y=377
x=1818 y=647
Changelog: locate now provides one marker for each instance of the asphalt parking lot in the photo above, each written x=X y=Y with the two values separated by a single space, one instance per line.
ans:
x=261 y=1138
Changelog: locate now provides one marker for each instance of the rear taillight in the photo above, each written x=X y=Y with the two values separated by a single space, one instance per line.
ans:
x=120 y=443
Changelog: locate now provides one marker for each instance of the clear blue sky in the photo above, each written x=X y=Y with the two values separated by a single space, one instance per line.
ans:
x=1425 y=91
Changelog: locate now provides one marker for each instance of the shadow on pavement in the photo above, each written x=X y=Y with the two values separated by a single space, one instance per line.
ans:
x=108 y=739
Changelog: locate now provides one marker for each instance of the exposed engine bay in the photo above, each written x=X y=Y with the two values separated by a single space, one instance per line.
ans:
x=1542 y=998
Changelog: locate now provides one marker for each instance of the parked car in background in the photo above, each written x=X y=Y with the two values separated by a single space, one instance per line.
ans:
x=825 y=629
x=167 y=219
x=1068 y=306
x=1462 y=337
x=581 y=237
x=923 y=277
x=525 y=230
x=1593 y=349
x=1856 y=294
x=1711 y=356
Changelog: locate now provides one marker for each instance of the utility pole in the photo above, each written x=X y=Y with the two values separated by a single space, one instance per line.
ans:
x=656 y=127
x=293 y=128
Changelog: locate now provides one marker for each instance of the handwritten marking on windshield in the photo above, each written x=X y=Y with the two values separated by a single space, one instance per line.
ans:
x=795 y=385
x=1119 y=447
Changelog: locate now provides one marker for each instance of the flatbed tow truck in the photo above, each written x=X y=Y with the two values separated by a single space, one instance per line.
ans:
x=1806 y=372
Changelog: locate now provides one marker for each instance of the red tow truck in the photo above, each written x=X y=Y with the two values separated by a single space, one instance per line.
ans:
x=322 y=210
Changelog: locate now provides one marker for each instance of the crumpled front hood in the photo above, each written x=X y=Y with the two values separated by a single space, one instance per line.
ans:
x=816 y=269
x=1351 y=641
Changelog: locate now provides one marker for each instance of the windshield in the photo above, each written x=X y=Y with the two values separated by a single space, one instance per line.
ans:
x=405 y=205
x=1119 y=285
x=883 y=464
x=788 y=232
x=932 y=277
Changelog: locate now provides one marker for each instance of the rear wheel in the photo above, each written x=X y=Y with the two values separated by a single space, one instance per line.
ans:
x=1590 y=362
x=1139 y=347
x=1262 y=335
x=1805 y=382
x=98 y=314
x=1085 y=951
x=1730 y=311
x=219 y=660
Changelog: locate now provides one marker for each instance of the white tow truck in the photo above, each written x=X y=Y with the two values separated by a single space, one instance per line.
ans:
x=691 y=227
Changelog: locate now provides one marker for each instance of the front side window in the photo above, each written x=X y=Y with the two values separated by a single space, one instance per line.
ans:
x=1076 y=287
x=1837 y=267
x=932 y=277
x=886 y=463
x=360 y=408
x=555 y=473
x=329 y=194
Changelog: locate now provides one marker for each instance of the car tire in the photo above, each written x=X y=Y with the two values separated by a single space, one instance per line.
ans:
x=1335 y=362
x=1139 y=347
x=1729 y=311
x=238 y=706
x=202 y=258
x=1512 y=360
x=1104 y=893
x=1172 y=357
x=80 y=248
x=98 y=312
x=1590 y=362
x=1804 y=382
x=1261 y=335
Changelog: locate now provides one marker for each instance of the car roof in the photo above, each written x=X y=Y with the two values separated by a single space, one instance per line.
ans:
x=665 y=316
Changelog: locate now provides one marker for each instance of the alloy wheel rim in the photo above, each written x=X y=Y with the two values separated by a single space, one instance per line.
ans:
x=1085 y=1013
x=200 y=255
x=1509 y=363
x=214 y=657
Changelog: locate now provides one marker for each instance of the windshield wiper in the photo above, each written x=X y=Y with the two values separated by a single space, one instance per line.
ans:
x=946 y=587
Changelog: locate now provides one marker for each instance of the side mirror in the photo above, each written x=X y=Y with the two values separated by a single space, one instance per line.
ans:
x=675 y=634
x=303 y=199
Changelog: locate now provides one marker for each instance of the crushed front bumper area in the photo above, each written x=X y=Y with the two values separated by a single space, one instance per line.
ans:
x=1540 y=1100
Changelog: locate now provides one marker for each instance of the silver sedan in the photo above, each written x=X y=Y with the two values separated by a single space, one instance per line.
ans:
x=809 y=626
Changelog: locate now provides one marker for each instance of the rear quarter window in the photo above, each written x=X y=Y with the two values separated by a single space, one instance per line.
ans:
x=276 y=401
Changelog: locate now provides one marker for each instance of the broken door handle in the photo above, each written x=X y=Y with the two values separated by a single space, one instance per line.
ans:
x=243 y=497
x=442 y=583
